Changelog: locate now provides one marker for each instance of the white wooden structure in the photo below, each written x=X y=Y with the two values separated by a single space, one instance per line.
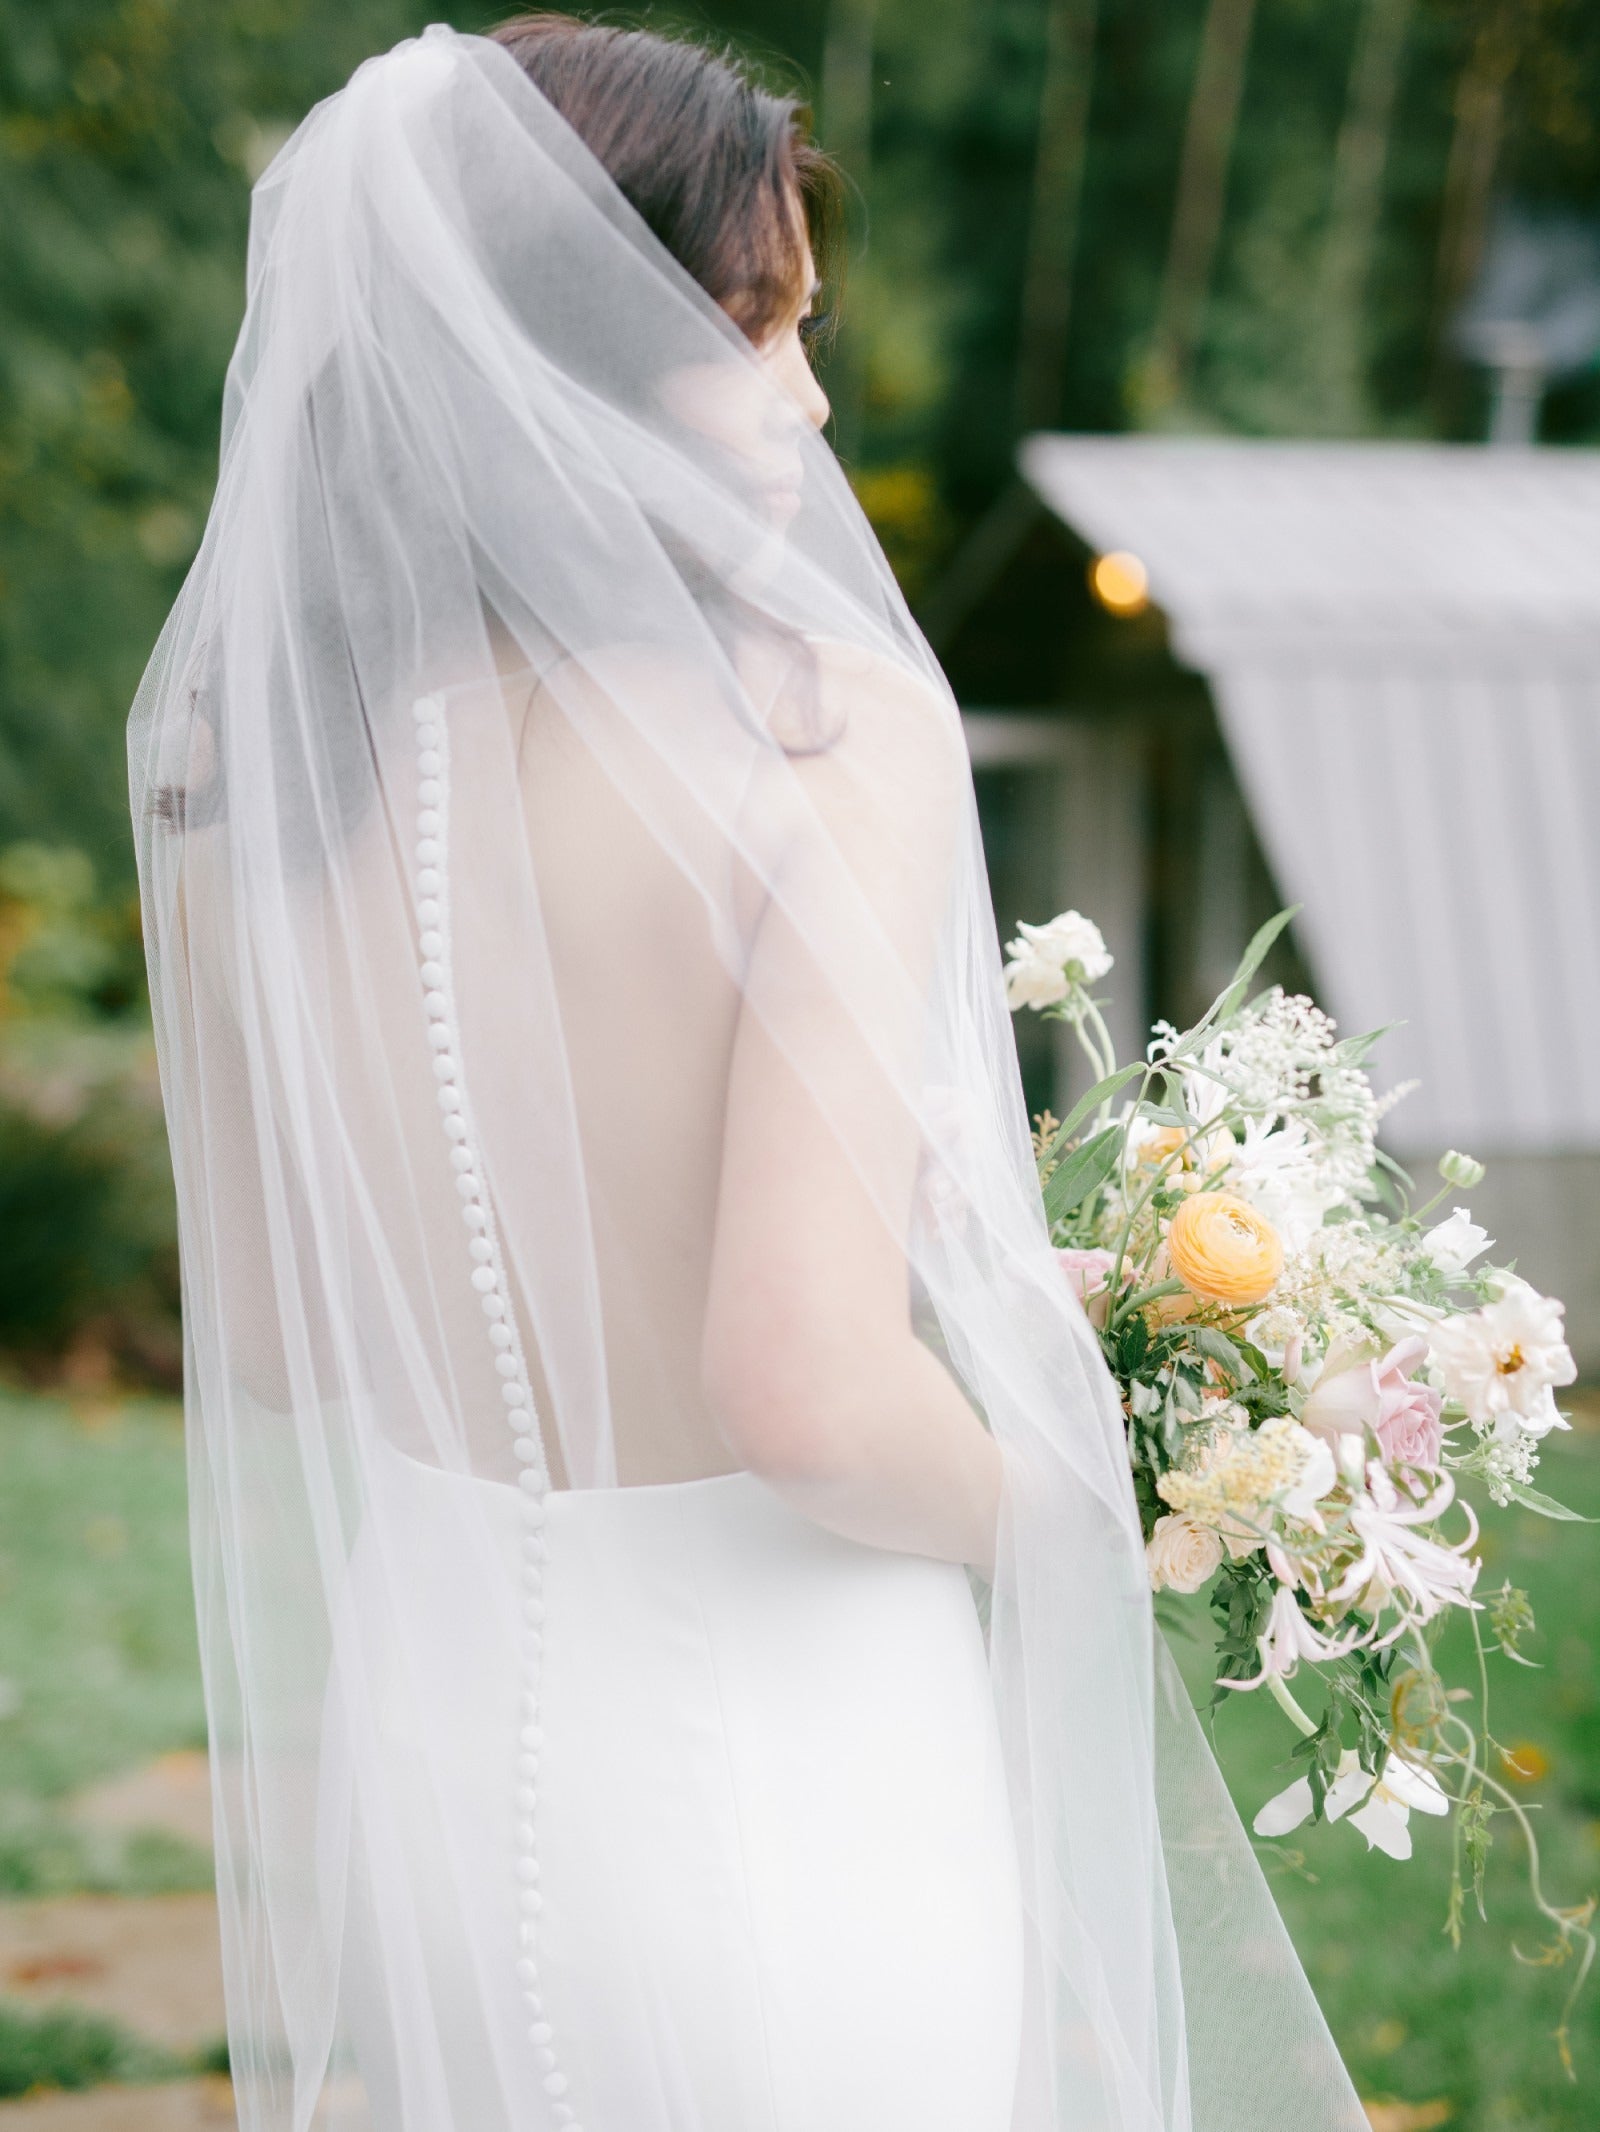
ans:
x=1403 y=646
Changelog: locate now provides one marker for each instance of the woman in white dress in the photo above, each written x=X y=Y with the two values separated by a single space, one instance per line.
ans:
x=624 y=1346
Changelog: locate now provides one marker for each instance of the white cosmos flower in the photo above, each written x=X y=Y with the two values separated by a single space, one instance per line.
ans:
x=1455 y=1243
x=1504 y=1358
x=1546 y=1415
x=1380 y=1807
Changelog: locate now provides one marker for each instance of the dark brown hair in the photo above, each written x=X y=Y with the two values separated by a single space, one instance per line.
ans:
x=713 y=162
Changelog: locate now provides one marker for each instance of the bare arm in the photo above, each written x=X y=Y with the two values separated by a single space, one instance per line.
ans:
x=819 y=1382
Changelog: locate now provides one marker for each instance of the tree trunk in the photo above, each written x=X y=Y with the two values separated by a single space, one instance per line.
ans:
x=847 y=133
x=1053 y=221
x=1479 y=128
x=1202 y=197
x=1355 y=209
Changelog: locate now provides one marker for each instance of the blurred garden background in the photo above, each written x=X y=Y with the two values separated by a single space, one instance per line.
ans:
x=1295 y=219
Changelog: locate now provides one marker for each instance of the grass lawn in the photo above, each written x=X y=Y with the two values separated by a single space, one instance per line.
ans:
x=98 y=1661
x=97 y=1657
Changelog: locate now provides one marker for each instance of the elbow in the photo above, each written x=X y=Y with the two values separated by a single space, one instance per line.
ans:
x=788 y=1414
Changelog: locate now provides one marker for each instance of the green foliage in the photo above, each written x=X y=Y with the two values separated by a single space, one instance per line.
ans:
x=87 y=1243
x=62 y=2048
x=97 y=1640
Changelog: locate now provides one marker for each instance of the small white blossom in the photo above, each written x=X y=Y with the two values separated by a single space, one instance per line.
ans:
x=1274 y=1330
x=1318 y=1477
x=1284 y=1173
x=1505 y=1464
x=1455 y=1243
x=1380 y=1807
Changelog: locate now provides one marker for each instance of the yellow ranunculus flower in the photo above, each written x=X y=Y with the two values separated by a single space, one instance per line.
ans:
x=1223 y=1250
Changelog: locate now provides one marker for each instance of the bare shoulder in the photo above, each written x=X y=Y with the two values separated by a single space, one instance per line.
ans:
x=890 y=729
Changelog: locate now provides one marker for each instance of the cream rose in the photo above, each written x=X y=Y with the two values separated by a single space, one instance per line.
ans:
x=1181 y=1555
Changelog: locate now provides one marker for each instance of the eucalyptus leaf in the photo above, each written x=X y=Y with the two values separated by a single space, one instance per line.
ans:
x=1547 y=1506
x=1083 y=1172
x=1231 y=998
x=1217 y=1347
x=1356 y=1050
x=1102 y=1092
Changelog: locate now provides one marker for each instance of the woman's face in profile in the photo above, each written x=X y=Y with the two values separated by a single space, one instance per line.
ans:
x=758 y=426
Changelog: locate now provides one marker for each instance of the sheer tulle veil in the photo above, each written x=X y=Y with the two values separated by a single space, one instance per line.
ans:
x=500 y=706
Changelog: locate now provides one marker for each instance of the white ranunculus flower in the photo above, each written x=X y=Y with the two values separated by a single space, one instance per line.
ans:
x=1505 y=1358
x=1032 y=980
x=1048 y=960
x=1181 y=1555
x=1074 y=942
x=1455 y=1243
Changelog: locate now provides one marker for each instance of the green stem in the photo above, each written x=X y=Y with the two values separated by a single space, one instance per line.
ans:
x=1287 y=1704
x=1108 y=1052
x=1139 y=1298
x=1078 y=1012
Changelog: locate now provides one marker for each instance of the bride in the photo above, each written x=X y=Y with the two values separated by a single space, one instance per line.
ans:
x=675 y=1627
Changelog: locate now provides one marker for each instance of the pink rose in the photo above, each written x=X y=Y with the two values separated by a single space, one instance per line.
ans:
x=1383 y=1397
x=1088 y=1273
x=1408 y=1424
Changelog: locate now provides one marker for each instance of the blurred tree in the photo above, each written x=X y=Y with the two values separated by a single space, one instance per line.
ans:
x=1260 y=213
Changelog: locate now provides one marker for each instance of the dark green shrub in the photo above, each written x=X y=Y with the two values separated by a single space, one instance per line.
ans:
x=62 y=2048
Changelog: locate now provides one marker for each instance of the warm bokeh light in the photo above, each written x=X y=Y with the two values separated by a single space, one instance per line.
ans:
x=1120 y=582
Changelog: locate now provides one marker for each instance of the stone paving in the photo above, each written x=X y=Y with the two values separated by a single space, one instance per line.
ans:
x=185 y=2106
x=149 y=1962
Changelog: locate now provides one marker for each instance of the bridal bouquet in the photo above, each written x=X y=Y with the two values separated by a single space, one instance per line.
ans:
x=1309 y=1365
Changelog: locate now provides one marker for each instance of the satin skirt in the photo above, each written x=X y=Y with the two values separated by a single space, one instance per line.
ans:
x=780 y=1890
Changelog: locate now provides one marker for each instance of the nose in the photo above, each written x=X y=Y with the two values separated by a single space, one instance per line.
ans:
x=791 y=369
x=814 y=401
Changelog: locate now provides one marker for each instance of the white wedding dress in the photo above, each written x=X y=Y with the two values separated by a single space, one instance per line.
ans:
x=779 y=1892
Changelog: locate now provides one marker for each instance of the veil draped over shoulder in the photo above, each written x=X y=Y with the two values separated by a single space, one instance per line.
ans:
x=536 y=670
